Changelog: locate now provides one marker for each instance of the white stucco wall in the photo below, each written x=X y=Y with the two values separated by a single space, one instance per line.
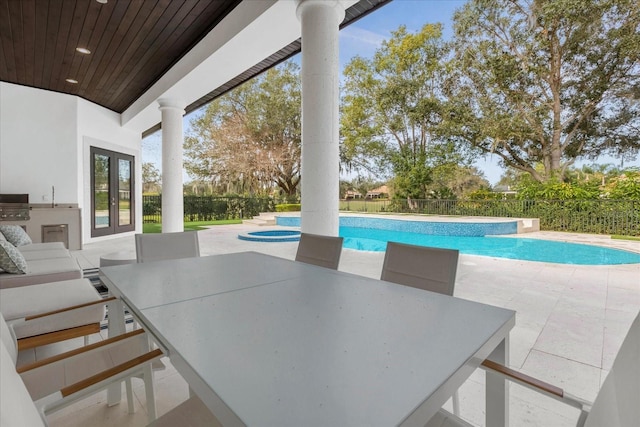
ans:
x=38 y=148
x=45 y=139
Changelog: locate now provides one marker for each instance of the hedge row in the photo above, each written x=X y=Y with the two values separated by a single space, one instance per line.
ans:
x=210 y=208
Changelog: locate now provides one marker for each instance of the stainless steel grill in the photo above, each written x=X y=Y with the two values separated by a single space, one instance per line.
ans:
x=14 y=207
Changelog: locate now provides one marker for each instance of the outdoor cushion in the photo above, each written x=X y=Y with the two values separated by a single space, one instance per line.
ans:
x=15 y=235
x=17 y=303
x=42 y=247
x=43 y=271
x=48 y=254
x=11 y=260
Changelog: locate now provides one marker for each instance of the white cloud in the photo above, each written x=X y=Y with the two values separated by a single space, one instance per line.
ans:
x=354 y=34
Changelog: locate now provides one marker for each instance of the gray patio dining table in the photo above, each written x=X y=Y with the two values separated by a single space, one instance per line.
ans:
x=265 y=341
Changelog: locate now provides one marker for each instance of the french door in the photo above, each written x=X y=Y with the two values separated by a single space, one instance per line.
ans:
x=112 y=190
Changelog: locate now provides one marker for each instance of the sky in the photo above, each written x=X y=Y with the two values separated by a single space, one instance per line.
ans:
x=363 y=38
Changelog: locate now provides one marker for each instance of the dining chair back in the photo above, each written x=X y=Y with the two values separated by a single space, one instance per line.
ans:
x=616 y=404
x=164 y=246
x=431 y=269
x=323 y=251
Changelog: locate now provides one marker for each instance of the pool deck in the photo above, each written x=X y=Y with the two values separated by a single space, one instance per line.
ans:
x=570 y=323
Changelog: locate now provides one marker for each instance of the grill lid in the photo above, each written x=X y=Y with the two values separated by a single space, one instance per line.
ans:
x=14 y=198
x=14 y=207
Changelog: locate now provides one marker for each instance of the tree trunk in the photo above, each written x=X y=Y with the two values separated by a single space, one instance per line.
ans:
x=553 y=155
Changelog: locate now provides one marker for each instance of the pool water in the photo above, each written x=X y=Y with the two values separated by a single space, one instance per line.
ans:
x=369 y=239
x=271 y=236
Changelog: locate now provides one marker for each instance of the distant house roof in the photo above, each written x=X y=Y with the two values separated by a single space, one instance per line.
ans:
x=503 y=189
x=352 y=194
x=378 y=191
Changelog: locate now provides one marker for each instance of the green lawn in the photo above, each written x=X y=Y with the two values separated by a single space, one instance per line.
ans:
x=195 y=225
x=618 y=237
x=363 y=205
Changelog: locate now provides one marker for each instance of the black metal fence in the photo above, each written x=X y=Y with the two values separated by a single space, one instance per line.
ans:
x=581 y=216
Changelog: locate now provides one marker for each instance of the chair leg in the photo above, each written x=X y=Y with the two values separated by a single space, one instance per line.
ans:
x=130 y=405
x=455 y=399
x=150 y=391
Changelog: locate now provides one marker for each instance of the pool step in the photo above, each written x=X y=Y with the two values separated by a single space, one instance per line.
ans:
x=265 y=218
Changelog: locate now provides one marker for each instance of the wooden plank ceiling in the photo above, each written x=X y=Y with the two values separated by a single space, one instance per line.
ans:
x=132 y=43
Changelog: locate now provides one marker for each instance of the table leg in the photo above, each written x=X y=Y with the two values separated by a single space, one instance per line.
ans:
x=497 y=389
x=116 y=327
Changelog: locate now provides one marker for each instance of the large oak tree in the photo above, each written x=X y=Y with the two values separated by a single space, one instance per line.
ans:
x=249 y=139
x=392 y=110
x=547 y=81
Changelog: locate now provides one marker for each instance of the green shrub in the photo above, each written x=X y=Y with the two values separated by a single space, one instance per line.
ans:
x=102 y=200
x=151 y=207
x=288 y=207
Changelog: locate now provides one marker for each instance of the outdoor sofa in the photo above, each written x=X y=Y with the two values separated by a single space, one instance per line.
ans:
x=24 y=263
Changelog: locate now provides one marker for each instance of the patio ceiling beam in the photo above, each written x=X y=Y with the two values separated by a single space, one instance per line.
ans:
x=244 y=38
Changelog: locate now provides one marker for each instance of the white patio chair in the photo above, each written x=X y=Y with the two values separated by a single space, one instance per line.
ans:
x=16 y=406
x=616 y=404
x=24 y=310
x=58 y=381
x=52 y=312
x=323 y=251
x=164 y=246
x=153 y=247
x=431 y=269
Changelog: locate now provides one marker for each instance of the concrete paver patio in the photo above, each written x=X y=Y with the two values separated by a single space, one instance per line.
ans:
x=570 y=323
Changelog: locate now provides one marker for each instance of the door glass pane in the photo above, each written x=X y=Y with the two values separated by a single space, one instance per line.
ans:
x=124 y=192
x=101 y=190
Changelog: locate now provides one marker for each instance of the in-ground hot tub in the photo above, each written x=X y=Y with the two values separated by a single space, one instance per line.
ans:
x=271 y=236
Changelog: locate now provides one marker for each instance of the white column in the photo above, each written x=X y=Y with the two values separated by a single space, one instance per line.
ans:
x=172 y=141
x=320 y=127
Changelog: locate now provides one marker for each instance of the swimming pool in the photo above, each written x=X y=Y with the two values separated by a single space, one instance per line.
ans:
x=375 y=239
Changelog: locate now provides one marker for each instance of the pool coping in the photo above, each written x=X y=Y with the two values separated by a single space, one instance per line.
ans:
x=481 y=226
x=253 y=236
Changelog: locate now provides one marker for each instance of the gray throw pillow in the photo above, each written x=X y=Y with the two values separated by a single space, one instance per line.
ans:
x=15 y=235
x=11 y=260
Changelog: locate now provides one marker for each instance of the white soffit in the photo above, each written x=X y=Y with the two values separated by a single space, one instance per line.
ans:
x=251 y=32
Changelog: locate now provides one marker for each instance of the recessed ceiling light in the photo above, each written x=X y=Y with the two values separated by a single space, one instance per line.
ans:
x=74 y=81
x=102 y=1
x=83 y=50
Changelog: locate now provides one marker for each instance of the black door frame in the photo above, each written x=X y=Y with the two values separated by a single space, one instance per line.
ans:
x=114 y=226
